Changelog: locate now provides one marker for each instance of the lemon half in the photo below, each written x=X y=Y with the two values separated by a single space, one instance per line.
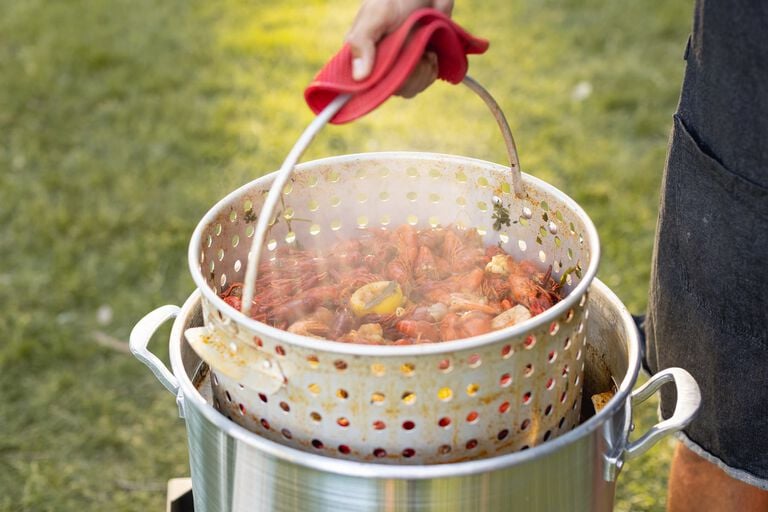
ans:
x=380 y=297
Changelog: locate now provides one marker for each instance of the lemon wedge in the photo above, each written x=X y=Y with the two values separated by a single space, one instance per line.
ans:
x=380 y=297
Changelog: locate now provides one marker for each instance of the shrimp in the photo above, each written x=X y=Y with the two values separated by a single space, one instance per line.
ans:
x=315 y=325
x=407 y=243
x=294 y=309
x=311 y=328
x=531 y=294
x=469 y=282
x=472 y=323
x=425 y=266
x=421 y=330
x=232 y=295
x=432 y=238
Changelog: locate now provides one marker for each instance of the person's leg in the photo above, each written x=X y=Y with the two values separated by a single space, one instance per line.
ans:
x=697 y=485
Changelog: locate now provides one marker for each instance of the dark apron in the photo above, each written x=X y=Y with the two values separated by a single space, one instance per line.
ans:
x=708 y=304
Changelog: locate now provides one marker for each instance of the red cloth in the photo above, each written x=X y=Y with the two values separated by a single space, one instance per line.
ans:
x=424 y=30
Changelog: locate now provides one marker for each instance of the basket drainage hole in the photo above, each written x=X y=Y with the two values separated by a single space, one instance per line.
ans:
x=547 y=435
x=528 y=371
x=474 y=361
x=229 y=397
x=344 y=449
x=502 y=435
x=504 y=407
x=378 y=369
x=340 y=365
x=408 y=425
x=529 y=342
x=562 y=422
x=265 y=424
x=286 y=433
x=317 y=444
x=506 y=351
x=408 y=453
x=550 y=383
x=525 y=424
x=548 y=410
x=379 y=425
x=527 y=398
x=444 y=422
x=444 y=449
x=342 y=422
x=379 y=453
x=445 y=366
x=471 y=444
x=342 y=394
x=505 y=380
x=472 y=417
x=242 y=409
x=284 y=406
x=315 y=416
x=263 y=397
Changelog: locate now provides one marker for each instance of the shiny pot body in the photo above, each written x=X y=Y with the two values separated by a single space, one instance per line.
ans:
x=234 y=469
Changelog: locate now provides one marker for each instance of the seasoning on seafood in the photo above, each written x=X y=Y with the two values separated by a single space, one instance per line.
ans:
x=399 y=287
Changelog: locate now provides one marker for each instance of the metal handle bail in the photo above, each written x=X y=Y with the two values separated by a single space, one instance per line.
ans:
x=317 y=124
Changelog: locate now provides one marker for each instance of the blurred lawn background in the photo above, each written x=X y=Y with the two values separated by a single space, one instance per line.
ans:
x=123 y=121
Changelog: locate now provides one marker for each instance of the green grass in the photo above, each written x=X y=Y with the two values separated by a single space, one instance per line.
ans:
x=122 y=122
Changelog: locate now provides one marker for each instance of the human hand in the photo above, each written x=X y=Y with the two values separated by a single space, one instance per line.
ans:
x=377 y=18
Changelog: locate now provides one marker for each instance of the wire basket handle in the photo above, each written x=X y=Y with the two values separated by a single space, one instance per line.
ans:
x=317 y=124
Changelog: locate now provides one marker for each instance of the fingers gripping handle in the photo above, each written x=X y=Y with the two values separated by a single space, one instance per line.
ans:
x=140 y=336
x=688 y=401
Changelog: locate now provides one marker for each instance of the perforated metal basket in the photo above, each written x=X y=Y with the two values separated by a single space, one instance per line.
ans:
x=500 y=392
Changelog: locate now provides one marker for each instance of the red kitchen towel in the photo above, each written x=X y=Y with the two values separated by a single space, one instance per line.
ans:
x=396 y=56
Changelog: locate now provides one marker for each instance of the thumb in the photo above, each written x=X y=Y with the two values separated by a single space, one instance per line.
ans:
x=363 y=56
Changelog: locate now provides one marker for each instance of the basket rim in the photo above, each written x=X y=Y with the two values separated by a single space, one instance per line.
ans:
x=336 y=347
x=192 y=397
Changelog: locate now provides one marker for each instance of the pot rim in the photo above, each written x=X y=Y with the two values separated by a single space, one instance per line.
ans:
x=335 y=347
x=191 y=397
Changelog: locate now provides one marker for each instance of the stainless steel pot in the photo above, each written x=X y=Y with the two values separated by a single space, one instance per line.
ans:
x=234 y=469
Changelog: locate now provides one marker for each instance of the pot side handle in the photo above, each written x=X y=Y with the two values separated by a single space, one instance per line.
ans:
x=140 y=336
x=688 y=401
